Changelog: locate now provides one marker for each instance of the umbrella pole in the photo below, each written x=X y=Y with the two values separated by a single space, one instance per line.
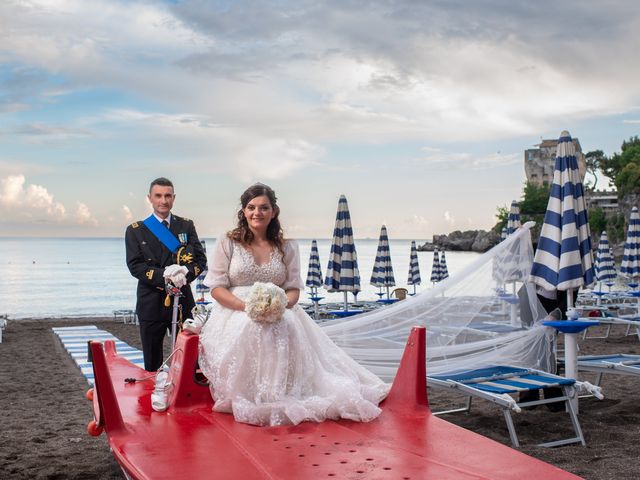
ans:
x=414 y=288
x=571 y=353
x=174 y=321
x=388 y=292
x=346 y=304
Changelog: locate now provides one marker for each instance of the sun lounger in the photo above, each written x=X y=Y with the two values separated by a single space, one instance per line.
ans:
x=497 y=383
x=620 y=364
x=631 y=322
x=75 y=341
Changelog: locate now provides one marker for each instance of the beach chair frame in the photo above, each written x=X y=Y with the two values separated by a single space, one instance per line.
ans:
x=619 y=364
x=512 y=379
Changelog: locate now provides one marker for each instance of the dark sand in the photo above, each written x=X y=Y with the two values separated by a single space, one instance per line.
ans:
x=44 y=412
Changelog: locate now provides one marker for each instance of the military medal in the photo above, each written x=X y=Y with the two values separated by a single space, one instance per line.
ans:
x=183 y=238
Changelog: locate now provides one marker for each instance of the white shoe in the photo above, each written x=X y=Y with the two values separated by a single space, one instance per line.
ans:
x=160 y=393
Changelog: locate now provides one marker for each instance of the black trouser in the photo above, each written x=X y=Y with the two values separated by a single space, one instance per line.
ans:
x=560 y=302
x=152 y=336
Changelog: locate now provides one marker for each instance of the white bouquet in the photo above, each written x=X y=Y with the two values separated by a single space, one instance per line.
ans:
x=266 y=303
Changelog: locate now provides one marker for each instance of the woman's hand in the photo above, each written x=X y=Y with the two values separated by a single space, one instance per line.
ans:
x=227 y=299
x=293 y=295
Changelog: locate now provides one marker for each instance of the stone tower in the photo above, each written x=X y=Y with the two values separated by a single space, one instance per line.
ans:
x=539 y=162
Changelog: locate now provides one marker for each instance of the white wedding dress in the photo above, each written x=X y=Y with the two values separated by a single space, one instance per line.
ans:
x=283 y=373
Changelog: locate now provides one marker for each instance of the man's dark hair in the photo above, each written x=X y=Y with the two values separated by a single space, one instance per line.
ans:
x=162 y=181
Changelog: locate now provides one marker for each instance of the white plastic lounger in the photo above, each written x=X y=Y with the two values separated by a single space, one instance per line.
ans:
x=620 y=364
x=497 y=383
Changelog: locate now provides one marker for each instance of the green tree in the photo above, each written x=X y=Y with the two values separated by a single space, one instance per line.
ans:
x=594 y=160
x=502 y=215
x=614 y=166
x=628 y=180
x=597 y=220
x=535 y=198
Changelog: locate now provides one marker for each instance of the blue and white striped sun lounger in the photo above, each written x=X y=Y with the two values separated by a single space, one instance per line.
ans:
x=620 y=364
x=75 y=341
x=497 y=383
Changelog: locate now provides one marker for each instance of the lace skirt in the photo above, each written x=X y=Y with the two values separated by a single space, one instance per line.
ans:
x=284 y=373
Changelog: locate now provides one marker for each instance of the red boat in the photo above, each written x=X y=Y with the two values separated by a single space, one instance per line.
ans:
x=190 y=441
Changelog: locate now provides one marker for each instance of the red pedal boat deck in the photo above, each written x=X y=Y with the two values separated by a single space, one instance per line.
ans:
x=190 y=441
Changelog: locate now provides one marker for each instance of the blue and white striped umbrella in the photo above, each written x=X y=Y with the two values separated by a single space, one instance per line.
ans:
x=342 y=270
x=513 y=222
x=605 y=268
x=630 y=266
x=563 y=257
x=382 y=275
x=201 y=288
x=444 y=271
x=414 y=267
x=314 y=273
x=435 y=268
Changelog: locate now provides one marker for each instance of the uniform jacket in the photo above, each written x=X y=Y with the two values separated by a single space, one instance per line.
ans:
x=147 y=258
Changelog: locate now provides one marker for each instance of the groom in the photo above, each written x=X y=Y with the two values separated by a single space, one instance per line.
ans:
x=163 y=245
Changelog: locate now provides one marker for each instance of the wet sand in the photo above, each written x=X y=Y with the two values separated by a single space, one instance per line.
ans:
x=44 y=412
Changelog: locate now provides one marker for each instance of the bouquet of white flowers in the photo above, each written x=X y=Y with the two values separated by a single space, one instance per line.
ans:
x=266 y=303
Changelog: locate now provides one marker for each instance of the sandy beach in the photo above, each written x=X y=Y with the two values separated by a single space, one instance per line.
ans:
x=45 y=412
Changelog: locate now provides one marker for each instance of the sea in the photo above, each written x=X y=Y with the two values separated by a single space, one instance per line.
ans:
x=88 y=277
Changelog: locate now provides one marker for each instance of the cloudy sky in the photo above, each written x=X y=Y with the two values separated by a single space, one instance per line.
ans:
x=418 y=111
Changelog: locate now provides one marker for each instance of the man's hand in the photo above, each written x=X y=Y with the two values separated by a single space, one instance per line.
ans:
x=176 y=274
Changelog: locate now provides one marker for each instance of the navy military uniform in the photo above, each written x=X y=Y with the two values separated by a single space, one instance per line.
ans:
x=147 y=258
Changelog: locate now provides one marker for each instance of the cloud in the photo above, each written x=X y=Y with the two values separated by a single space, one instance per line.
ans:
x=446 y=160
x=83 y=215
x=449 y=218
x=39 y=132
x=128 y=216
x=275 y=158
x=24 y=203
x=30 y=200
x=338 y=70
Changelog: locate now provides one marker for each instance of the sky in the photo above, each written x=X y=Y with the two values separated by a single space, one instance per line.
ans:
x=418 y=111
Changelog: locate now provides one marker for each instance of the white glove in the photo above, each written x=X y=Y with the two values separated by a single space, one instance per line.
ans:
x=177 y=274
x=193 y=325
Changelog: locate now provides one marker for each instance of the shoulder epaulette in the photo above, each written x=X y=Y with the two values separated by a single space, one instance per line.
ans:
x=135 y=225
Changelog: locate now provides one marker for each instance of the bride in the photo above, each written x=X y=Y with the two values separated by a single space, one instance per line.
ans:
x=279 y=373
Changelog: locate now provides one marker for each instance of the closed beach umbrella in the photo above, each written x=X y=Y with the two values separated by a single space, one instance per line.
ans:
x=444 y=271
x=201 y=288
x=342 y=270
x=630 y=266
x=563 y=258
x=382 y=275
x=503 y=234
x=435 y=268
x=513 y=222
x=605 y=268
x=414 y=267
x=314 y=273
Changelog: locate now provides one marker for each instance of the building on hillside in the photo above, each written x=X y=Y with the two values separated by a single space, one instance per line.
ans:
x=607 y=200
x=539 y=162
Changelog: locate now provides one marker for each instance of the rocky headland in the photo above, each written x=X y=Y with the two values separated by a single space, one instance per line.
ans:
x=468 y=241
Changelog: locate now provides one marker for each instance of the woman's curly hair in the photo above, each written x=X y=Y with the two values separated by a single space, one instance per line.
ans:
x=242 y=233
